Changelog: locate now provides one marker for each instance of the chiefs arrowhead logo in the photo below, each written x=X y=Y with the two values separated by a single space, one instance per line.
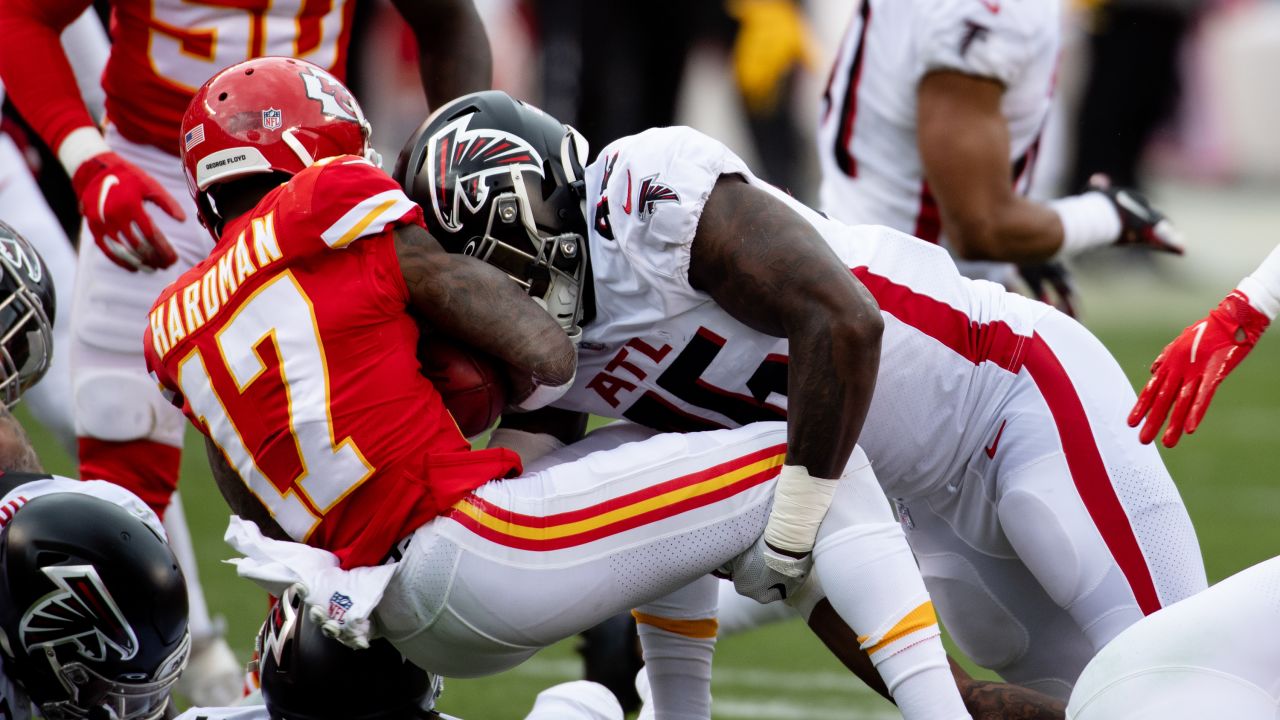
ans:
x=461 y=159
x=82 y=612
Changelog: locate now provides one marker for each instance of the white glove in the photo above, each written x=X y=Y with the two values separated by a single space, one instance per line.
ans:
x=340 y=601
x=766 y=575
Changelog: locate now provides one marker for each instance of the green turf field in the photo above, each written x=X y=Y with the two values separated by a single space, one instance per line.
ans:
x=1226 y=473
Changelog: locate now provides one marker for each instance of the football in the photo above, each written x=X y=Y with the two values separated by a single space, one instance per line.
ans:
x=471 y=382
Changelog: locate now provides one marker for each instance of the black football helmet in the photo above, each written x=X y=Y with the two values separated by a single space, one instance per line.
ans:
x=503 y=181
x=93 y=609
x=306 y=675
x=27 y=307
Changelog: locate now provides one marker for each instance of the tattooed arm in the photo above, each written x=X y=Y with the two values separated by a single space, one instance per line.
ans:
x=239 y=498
x=476 y=303
x=16 y=452
x=989 y=700
x=771 y=270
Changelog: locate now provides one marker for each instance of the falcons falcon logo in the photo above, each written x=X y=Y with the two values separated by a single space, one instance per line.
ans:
x=460 y=159
x=80 y=611
x=653 y=192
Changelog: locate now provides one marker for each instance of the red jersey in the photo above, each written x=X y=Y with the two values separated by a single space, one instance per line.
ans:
x=164 y=50
x=291 y=348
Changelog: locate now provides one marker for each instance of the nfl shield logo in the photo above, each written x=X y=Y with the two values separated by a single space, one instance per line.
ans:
x=271 y=119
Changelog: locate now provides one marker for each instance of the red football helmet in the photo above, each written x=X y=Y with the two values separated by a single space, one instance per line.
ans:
x=270 y=114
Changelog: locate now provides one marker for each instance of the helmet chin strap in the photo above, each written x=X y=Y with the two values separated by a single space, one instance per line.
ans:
x=298 y=149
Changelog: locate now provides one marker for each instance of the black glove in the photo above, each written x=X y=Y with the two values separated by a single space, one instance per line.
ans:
x=1043 y=277
x=1142 y=225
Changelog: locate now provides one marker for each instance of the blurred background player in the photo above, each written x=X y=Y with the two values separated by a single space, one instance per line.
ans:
x=1212 y=655
x=931 y=125
x=1187 y=373
x=23 y=207
x=139 y=216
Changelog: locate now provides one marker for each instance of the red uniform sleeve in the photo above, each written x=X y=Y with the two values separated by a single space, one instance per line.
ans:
x=36 y=72
x=340 y=200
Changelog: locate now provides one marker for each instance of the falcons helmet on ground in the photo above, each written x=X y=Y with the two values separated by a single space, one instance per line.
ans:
x=503 y=181
x=27 y=307
x=266 y=115
x=308 y=676
x=93 y=609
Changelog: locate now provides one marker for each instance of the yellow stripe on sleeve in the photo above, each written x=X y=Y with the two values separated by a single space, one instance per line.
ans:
x=359 y=227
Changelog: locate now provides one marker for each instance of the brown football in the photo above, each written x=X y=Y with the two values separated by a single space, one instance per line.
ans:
x=471 y=382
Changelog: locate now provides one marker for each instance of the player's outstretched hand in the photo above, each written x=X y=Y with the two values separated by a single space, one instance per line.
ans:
x=1052 y=276
x=1141 y=224
x=112 y=192
x=766 y=575
x=1187 y=373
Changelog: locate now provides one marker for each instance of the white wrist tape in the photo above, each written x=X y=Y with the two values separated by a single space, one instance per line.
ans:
x=800 y=502
x=1089 y=220
x=528 y=445
x=80 y=145
x=544 y=395
x=1263 y=286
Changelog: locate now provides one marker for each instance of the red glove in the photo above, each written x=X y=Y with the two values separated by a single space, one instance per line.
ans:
x=1189 y=370
x=112 y=191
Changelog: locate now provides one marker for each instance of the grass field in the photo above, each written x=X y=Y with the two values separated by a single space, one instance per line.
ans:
x=1226 y=473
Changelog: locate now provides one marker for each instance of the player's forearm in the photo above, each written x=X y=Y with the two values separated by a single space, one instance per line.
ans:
x=830 y=381
x=453 y=52
x=999 y=701
x=1011 y=229
x=36 y=71
x=1262 y=287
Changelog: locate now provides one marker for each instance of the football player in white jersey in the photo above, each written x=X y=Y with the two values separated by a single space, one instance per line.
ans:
x=1187 y=373
x=931 y=124
x=1214 y=655
x=1042 y=526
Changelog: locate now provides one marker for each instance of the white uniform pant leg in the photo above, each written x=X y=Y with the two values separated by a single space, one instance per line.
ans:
x=529 y=561
x=1067 y=533
x=23 y=207
x=115 y=399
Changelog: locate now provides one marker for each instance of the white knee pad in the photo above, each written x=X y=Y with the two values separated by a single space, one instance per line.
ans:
x=119 y=406
x=1067 y=558
x=983 y=627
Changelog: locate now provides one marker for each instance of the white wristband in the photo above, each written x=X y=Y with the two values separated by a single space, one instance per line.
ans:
x=1089 y=220
x=1263 y=286
x=80 y=145
x=800 y=502
x=544 y=395
x=528 y=445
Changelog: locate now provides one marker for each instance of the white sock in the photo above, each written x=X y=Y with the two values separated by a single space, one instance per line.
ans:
x=678 y=635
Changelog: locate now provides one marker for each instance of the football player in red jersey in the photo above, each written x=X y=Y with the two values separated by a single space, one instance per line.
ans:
x=293 y=348
x=139 y=215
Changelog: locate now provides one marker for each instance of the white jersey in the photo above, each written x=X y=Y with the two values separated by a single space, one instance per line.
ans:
x=18 y=489
x=871 y=167
x=1215 y=654
x=664 y=355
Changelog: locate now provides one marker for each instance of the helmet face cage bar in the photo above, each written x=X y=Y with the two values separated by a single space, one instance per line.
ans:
x=32 y=320
x=553 y=274
x=87 y=690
